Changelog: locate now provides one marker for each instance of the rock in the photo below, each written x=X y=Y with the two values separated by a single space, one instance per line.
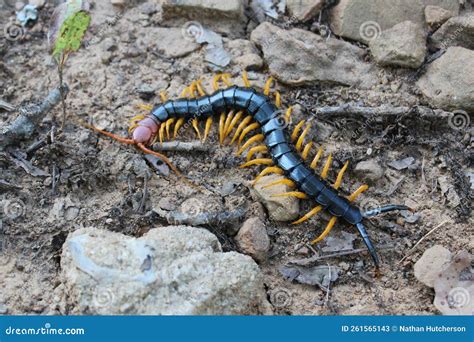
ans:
x=369 y=171
x=280 y=209
x=454 y=286
x=253 y=239
x=364 y=20
x=298 y=56
x=174 y=270
x=37 y=3
x=245 y=54
x=170 y=41
x=118 y=2
x=457 y=31
x=433 y=261
x=403 y=45
x=209 y=8
x=436 y=16
x=446 y=84
x=304 y=10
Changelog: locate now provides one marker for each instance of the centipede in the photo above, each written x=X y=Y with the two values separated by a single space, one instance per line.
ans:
x=254 y=121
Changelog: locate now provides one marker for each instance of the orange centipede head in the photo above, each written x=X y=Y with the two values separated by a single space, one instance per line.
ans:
x=145 y=131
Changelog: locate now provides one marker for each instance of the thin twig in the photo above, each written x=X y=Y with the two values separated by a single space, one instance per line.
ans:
x=25 y=124
x=410 y=252
x=181 y=146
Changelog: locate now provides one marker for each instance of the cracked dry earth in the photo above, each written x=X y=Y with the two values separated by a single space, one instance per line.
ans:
x=100 y=183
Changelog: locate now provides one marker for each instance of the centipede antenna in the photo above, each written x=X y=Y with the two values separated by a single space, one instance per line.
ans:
x=108 y=134
x=385 y=209
x=368 y=243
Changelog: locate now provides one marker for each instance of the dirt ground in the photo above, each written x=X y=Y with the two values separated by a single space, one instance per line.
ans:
x=94 y=181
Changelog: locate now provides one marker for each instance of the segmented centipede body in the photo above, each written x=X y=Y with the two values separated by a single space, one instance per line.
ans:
x=257 y=113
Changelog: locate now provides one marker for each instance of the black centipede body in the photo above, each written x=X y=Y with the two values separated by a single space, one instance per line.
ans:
x=277 y=141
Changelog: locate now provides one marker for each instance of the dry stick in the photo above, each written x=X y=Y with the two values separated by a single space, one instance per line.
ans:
x=410 y=252
x=25 y=124
x=181 y=146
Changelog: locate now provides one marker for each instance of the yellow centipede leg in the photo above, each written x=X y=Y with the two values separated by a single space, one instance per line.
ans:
x=248 y=129
x=227 y=122
x=338 y=181
x=168 y=124
x=297 y=194
x=207 y=128
x=245 y=78
x=268 y=84
x=300 y=141
x=163 y=96
x=256 y=149
x=195 y=124
x=145 y=107
x=268 y=170
x=234 y=121
x=352 y=197
x=255 y=138
x=308 y=215
x=200 y=88
x=226 y=79
x=326 y=231
x=316 y=159
x=324 y=173
x=277 y=99
x=285 y=181
x=288 y=113
x=161 y=133
x=241 y=126
x=178 y=125
x=215 y=82
x=306 y=150
x=296 y=130
x=221 y=128
x=258 y=161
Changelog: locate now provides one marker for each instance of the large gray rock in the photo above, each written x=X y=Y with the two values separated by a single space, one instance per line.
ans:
x=447 y=83
x=301 y=57
x=364 y=20
x=304 y=10
x=174 y=270
x=208 y=8
x=436 y=16
x=403 y=45
x=457 y=31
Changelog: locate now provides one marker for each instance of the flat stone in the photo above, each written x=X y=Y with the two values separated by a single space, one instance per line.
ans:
x=253 y=239
x=447 y=84
x=209 y=8
x=436 y=16
x=364 y=20
x=245 y=54
x=433 y=261
x=403 y=45
x=457 y=31
x=170 y=41
x=298 y=56
x=176 y=270
x=279 y=209
x=369 y=171
x=304 y=10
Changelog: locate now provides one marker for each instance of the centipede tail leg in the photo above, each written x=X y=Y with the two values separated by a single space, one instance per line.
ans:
x=385 y=209
x=368 y=243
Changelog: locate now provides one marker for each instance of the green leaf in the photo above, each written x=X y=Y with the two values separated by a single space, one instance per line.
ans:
x=71 y=33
